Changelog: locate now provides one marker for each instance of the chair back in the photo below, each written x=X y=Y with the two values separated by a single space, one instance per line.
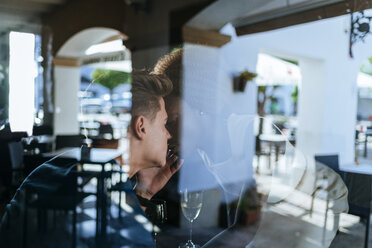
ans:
x=16 y=154
x=258 y=145
x=11 y=162
x=105 y=129
x=69 y=141
x=42 y=130
x=331 y=161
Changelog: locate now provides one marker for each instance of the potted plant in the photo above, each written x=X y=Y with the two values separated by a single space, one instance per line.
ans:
x=240 y=81
x=110 y=79
x=249 y=208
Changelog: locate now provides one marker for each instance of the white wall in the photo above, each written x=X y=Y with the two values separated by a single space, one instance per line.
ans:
x=218 y=122
x=208 y=92
x=328 y=94
x=66 y=87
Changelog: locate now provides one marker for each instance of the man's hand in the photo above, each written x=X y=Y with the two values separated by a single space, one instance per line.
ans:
x=151 y=180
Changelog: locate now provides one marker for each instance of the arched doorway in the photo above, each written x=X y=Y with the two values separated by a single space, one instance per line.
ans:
x=72 y=56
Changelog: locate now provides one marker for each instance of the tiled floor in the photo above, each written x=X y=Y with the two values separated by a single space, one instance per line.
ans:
x=292 y=217
x=351 y=230
x=129 y=231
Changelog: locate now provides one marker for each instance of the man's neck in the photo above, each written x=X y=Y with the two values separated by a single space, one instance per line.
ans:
x=136 y=158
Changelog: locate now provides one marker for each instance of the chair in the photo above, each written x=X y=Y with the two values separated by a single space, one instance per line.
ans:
x=121 y=187
x=11 y=169
x=53 y=186
x=359 y=198
x=69 y=141
x=261 y=152
x=330 y=161
x=359 y=190
x=105 y=130
x=42 y=130
x=31 y=162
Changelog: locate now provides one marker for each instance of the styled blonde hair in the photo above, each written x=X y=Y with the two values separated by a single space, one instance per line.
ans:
x=171 y=65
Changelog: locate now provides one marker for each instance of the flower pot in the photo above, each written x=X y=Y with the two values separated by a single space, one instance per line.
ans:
x=249 y=217
x=239 y=84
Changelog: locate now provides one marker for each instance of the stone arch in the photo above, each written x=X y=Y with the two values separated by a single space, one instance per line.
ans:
x=67 y=75
x=76 y=45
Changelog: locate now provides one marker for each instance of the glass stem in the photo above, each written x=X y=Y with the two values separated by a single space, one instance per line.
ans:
x=190 y=231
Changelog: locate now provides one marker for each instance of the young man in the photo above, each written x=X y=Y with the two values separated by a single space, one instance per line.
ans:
x=148 y=149
x=148 y=134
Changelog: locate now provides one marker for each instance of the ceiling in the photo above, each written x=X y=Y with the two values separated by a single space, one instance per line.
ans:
x=247 y=16
x=252 y=16
x=18 y=13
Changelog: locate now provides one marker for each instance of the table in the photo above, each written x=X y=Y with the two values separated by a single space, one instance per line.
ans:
x=97 y=155
x=100 y=157
x=37 y=144
x=274 y=139
x=365 y=169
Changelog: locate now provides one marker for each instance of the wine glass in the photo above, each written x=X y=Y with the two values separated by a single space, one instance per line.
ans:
x=191 y=203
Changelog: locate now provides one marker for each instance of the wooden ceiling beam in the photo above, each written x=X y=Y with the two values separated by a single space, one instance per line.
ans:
x=66 y=61
x=204 y=37
x=52 y=2
x=324 y=12
x=25 y=6
x=115 y=37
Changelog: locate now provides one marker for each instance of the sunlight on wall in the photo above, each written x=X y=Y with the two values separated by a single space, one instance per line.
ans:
x=22 y=73
x=110 y=46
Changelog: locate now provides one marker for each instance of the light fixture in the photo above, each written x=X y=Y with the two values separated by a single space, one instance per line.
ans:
x=359 y=28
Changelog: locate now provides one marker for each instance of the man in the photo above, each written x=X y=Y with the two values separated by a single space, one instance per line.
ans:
x=148 y=134
x=148 y=149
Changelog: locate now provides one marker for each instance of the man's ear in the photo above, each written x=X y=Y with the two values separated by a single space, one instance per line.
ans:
x=139 y=129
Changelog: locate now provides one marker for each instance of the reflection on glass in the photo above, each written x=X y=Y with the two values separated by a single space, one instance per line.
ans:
x=191 y=203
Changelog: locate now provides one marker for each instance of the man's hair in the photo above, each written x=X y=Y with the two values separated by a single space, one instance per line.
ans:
x=171 y=65
x=147 y=89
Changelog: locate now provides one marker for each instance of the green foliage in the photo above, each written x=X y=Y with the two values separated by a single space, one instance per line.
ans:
x=247 y=75
x=294 y=94
x=366 y=66
x=289 y=60
x=110 y=78
x=250 y=200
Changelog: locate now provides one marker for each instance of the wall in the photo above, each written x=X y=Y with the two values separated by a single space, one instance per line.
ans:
x=217 y=124
x=328 y=94
x=67 y=82
x=146 y=28
x=210 y=102
x=4 y=78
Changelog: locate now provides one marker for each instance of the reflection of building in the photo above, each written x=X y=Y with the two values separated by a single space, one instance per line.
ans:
x=149 y=31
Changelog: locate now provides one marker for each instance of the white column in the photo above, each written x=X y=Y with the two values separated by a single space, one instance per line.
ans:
x=218 y=122
x=67 y=82
x=327 y=108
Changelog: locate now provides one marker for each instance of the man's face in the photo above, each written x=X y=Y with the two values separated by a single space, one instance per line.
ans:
x=173 y=108
x=157 y=137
